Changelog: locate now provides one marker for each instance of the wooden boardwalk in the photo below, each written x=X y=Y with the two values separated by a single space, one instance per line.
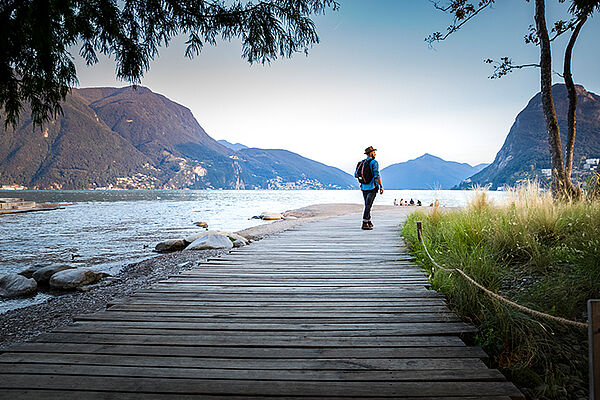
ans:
x=321 y=311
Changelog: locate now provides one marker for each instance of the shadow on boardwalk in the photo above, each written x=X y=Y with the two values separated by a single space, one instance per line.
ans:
x=323 y=310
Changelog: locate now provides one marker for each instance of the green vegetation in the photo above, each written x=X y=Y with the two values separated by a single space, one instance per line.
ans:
x=539 y=253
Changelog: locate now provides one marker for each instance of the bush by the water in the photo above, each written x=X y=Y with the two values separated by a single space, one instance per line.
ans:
x=535 y=251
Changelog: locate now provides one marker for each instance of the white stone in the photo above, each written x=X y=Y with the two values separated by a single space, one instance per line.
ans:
x=211 y=241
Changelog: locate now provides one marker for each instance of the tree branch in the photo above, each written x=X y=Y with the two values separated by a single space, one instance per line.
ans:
x=463 y=12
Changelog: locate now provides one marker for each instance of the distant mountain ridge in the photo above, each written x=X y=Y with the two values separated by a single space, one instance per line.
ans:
x=138 y=139
x=525 y=154
x=232 y=146
x=427 y=172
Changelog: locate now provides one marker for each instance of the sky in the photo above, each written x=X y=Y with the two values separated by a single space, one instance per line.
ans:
x=371 y=81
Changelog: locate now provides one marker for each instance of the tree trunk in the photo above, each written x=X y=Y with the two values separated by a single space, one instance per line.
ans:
x=558 y=172
x=571 y=116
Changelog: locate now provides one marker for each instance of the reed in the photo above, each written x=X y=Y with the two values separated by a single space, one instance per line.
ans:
x=533 y=250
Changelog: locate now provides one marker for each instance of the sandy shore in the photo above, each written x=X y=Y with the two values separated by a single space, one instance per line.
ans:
x=26 y=323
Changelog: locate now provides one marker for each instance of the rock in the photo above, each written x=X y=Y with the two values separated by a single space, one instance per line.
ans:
x=109 y=280
x=271 y=216
x=14 y=285
x=194 y=236
x=29 y=271
x=238 y=240
x=201 y=224
x=211 y=241
x=43 y=275
x=170 y=245
x=73 y=278
x=239 y=243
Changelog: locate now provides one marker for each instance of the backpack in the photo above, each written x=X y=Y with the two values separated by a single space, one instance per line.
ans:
x=364 y=173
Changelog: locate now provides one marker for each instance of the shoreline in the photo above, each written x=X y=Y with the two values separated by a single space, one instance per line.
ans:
x=25 y=323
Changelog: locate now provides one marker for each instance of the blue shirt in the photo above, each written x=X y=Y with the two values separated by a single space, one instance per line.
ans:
x=375 y=168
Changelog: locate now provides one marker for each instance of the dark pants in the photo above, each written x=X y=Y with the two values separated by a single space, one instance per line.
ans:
x=369 y=196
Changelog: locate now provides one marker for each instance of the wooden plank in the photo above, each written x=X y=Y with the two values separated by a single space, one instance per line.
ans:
x=250 y=309
x=28 y=394
x=401 y=329
x=253 y=352
x=84 y=370
x=265 y=340
x=384 y=364
x=256 y=387
x=360 y=304
x=268 y=318
x=99 y=327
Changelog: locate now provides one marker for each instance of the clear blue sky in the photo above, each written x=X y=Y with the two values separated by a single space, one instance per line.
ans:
x=371 y=81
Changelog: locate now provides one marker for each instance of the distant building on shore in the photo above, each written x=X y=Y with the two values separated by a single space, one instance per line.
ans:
x=591 y=163
x=13 y=187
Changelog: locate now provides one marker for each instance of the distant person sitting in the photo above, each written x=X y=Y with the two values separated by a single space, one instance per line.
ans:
x=395 y=202
x=419 y=203
x=367 y=173
x=401 y=202
x=412 y=202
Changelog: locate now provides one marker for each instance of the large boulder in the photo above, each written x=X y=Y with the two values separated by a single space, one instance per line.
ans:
x=211 y=241
x=170 y=245
x=14 y=285
x=43 y=275
x=271 y=216
x=74 y=278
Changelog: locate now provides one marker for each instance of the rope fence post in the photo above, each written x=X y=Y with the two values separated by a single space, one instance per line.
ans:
x=594 y=346
x=420 y=231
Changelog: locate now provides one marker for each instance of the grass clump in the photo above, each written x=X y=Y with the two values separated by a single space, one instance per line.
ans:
x=535 y=251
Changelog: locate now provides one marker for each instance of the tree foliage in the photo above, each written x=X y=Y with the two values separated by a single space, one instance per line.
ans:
x=36 y=37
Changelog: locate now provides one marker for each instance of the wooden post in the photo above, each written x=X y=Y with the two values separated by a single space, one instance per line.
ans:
x=419 y=231
x=594 y=345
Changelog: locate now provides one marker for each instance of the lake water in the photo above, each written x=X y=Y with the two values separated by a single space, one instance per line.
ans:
x=109 y=229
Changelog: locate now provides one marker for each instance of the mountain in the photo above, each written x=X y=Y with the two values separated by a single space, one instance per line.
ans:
x=135 y=138
x=426 y=172
x=298 y=170
x=525 y=154
x=232 y=146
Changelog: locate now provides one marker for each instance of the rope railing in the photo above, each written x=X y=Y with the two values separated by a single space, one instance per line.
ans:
x=493 y=294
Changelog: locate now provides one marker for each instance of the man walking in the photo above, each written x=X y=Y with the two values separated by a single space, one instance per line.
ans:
x=370 y=187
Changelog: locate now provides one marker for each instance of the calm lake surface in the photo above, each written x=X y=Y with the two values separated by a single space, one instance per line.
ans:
x=109 y=229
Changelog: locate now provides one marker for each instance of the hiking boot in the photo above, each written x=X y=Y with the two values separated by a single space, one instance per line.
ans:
x=366 y=226
x=370 y=224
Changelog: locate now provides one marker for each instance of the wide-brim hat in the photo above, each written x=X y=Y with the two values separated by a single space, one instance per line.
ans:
x=369 y=149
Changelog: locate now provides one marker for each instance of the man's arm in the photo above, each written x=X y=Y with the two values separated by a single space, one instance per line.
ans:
x=376 y=176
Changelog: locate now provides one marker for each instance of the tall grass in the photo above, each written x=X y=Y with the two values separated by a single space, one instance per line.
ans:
x=535 y=251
